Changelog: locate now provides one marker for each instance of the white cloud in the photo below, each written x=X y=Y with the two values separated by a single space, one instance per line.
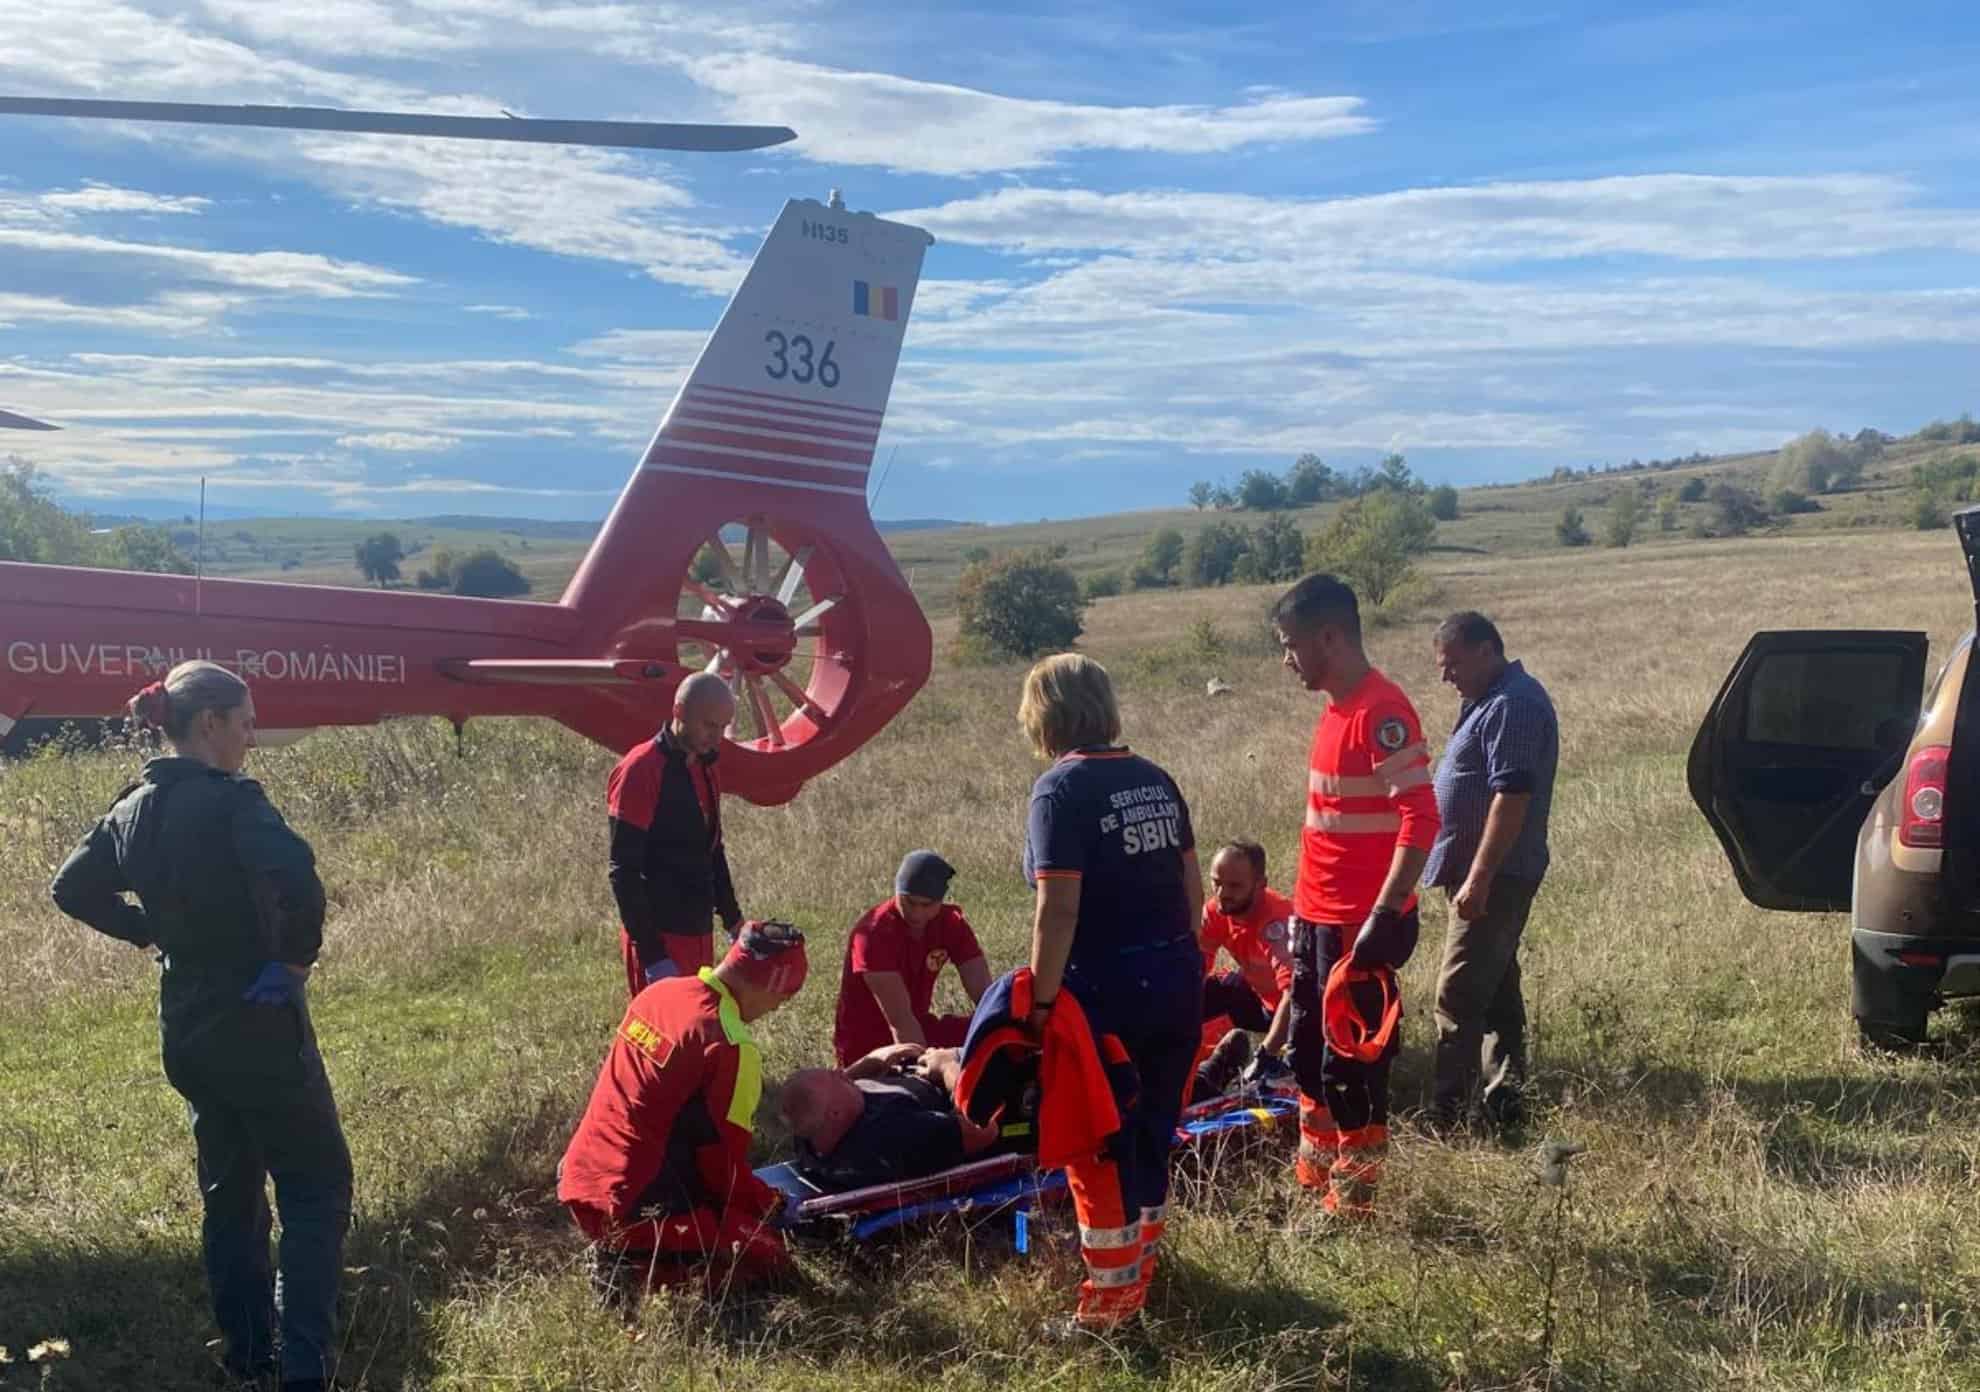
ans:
x=398 y=442
x=872 y=118
x=1680 y=216
x=173 y=313
x=500 y=311
x=284 y=272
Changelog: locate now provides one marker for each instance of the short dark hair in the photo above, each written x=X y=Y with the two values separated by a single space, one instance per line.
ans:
x=1471 y=628
x=1250 y=850
x=1318 y=599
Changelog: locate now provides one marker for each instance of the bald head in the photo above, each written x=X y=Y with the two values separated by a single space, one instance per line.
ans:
x=820 y=1105
x=703 y=707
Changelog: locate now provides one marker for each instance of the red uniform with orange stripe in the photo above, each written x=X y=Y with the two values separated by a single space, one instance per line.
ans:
x=1368 y=792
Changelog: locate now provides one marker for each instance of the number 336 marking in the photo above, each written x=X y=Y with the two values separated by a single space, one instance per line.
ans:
x=792 y=356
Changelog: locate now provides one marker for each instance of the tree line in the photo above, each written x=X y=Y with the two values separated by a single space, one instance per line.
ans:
x=35 y=528
x=1311 y=481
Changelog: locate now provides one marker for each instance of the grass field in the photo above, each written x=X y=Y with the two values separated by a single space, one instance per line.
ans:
x=1761 y=1207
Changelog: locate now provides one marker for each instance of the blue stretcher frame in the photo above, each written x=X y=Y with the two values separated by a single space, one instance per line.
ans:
x=999 y=1182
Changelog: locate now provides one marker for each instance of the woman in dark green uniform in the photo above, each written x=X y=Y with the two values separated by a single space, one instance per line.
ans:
x=229 y=897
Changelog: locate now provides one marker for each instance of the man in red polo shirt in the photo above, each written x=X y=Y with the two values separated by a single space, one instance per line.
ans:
x=894 y=955
x=657 y=1174
x=1371 y=818
x=1251 y=923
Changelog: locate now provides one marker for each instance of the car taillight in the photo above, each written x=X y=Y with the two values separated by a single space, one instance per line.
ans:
x=1922 y=822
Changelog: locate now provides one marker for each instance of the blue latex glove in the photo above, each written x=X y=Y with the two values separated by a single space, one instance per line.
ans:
x=278 y=983
x=659 y=969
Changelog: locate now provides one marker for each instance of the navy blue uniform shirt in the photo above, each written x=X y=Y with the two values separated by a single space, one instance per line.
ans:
x=1118 y=824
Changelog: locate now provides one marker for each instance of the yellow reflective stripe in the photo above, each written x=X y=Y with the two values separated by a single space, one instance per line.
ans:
x=749 y=1064
x=1353 y=823
x=749 y=1087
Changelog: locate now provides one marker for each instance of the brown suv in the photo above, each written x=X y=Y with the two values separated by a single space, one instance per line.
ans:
x=1836 y=781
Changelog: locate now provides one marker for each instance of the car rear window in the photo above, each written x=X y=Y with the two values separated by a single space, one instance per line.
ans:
x=1840 y=699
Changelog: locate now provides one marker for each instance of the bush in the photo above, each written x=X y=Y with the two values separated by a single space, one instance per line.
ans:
x=1101 y=585
x=1274 y=550
x=1667 y=515
x=1692 y=491
x=1374 y=541
x=1788 y=502
x=1818 y=462
x=1963 y=431
x=488 y=574
x=1624 y=513
x=1736 y=510
x=1020 y=603
x=1444 y=503
x=1213 y=554
x=378 y=557
x=1569 y=530
x=1928 y=514
x=1160 y=559
x=1200 y=494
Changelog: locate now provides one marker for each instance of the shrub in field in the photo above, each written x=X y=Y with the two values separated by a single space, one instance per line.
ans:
x=1263 y=492
x=1020 y=603
x=488 y=574
x=1159 y=560
x=1274 y=550
x=1444 y=503
x=1788 y=502
x=1624 y=513
x=1928 y=513
x=1102 y=584
x=1200 y=494
x=1818 y=462
x=378 y=557
x=1213 y=554
x=1374 y=540
x=1667 y=515
x=1735 y=510
x=1692 y=491
x=1570 y=531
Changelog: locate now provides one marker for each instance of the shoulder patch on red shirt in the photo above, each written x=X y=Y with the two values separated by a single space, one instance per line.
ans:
x=1392 y=734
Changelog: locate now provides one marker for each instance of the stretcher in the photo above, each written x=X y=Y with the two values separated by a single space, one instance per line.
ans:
x=998 y=1182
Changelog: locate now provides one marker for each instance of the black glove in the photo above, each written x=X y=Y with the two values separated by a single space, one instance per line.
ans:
x=1382 y=941
x=1264 y=1068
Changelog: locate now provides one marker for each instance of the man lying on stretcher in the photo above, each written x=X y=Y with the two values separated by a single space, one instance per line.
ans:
x=885 y=1118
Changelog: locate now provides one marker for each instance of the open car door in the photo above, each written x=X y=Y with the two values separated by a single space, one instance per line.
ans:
x=1808 y=728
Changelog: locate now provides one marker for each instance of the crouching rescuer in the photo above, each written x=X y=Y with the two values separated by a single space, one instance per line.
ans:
x=1371 y=818
x=658 y=1173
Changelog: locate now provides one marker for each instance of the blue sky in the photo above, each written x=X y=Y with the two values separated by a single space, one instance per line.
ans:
x=1495 y=237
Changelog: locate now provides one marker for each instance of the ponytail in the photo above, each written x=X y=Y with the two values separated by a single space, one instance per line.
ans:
x=190 y=688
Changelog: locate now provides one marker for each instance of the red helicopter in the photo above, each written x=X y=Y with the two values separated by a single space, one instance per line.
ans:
x=761 y=462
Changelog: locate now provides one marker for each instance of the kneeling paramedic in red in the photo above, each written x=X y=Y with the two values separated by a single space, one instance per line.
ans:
x=1371 y=818
x=658 y=1173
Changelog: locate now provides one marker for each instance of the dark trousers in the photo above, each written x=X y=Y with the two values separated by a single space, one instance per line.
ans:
x=1226 y=995
x=1481 y=1016
x=1152 y=1008
x=261 y=1106
x=1355 y=1093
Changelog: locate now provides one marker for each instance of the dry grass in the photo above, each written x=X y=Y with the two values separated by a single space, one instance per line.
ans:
x=1761 y=1207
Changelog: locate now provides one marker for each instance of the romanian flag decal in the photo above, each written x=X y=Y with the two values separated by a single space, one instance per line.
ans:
x=876 y=301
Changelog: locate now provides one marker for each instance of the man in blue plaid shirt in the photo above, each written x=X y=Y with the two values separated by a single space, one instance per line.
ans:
x=1495 y=787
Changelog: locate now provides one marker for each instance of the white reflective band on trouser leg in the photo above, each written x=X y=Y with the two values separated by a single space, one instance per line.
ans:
x=1352 y=822
x=1109 y=1277
x=1103 y=1239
